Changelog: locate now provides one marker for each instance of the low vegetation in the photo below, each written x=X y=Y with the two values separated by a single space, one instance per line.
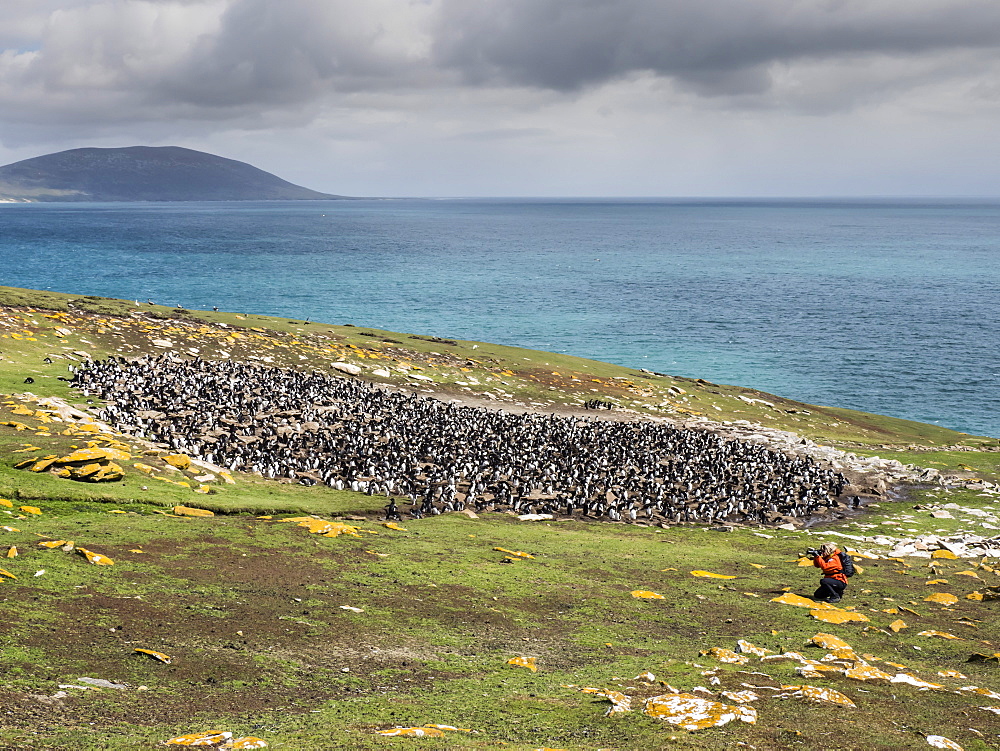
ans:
x=313 y=641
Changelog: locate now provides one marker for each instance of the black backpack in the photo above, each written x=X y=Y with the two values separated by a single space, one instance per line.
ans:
x=847 y=565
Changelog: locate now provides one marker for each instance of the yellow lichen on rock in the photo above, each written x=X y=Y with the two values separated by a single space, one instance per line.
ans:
x=939 y=635
x=838 y=616
x=247 y=742
x=945 y=554
x=691 y=712
x=912 y=680
x=620 y=703
x=745 y=647
x=93 y=455
x=645 y=594
x=867 y=673
x=110 y=472
x=842 y=654
x=829 y=641
x=39 y=466
x=180 y=461
x=725 y=655
x=413 y=732
x=165 y=659
x=942 y=598
x=200 y=739
x=86 y=470
x=741 y=697
x=323 y=527
x=188 y=511
x=339 y=528
x=515 y=553
x=814 y=669
x=447 y=727
x=96 y=558
x=802 y=602
x=524 y=662
x=898 y=625
x=710 y=575
x=951 y=674
x=814 y=695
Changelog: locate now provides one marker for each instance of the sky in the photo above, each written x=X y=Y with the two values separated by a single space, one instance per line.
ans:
x=454 y=98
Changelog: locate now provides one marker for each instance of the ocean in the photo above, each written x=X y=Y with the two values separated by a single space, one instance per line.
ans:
x=887 y=306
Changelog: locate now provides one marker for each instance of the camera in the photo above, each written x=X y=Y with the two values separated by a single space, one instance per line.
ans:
x=812 y=552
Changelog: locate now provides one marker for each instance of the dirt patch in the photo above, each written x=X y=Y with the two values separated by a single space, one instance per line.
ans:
x=249 y=632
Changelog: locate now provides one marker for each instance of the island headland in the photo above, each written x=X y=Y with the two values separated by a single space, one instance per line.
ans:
x=144 y=173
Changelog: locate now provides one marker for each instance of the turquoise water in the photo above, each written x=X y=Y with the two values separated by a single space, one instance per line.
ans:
x=888 y=307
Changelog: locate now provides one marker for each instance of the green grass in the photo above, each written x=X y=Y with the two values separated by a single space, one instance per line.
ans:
x=101 y=326
x=252 y=610
x=444 y=614
x=982 y=464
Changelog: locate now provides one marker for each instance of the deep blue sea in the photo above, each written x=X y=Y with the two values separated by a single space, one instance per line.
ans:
x=883 y=306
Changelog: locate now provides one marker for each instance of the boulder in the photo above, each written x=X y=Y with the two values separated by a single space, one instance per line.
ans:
x=346 y=367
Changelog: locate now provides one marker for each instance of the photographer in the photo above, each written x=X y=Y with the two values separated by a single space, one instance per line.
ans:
x=834 y=581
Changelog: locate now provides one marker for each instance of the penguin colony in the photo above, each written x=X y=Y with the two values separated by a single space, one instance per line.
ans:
x=434 y=456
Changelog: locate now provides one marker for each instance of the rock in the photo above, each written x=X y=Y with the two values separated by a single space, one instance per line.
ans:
x=102 y=683
x=958 y=549
x=382 y=373
x=180 y=461
x=346 y=367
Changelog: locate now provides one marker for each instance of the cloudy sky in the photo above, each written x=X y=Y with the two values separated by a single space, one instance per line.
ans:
x=524 y=97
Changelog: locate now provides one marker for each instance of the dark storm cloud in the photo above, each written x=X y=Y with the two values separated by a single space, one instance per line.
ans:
x=104 y=65
x=713 y=46
x=231 y=59
x=271 y=53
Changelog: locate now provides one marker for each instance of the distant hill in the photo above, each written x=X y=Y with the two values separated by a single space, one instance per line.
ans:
x=143 y=173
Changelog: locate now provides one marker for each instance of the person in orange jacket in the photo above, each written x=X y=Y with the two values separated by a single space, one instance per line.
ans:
x=834 y=581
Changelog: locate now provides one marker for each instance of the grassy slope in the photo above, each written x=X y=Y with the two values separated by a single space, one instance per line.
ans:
x=250 y=609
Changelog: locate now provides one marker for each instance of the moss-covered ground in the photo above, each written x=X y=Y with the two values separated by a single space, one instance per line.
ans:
x=313 y=642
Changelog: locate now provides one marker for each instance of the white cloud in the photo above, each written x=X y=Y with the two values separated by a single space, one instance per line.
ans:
x=520 y=96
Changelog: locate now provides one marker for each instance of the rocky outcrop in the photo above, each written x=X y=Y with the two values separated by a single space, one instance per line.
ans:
x=872 y=475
